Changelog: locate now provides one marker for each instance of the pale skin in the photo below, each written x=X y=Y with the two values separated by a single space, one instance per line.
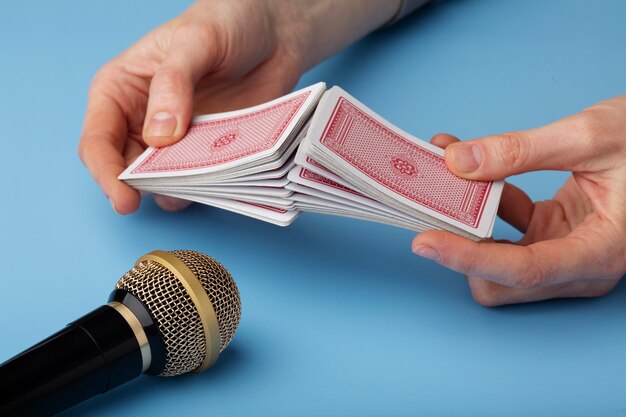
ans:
x=573 y=245
x=222 y=55
x=219 y=55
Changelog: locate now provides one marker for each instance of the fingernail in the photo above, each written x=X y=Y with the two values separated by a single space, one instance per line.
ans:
x=161 y=124
x=466 y=157
x=427 y=252
x=113 y=205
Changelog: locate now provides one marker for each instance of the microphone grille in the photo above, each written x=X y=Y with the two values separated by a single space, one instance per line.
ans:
x=174 y=311
x=221 y=289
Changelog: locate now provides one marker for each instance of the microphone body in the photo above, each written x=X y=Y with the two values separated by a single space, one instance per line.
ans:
x=90 y=356
x=171 y=314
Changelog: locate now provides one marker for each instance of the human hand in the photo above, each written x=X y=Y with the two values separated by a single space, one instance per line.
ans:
x=573 y=245
x=219 y=55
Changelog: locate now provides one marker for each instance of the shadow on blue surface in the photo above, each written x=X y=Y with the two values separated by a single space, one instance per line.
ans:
x=390 y=334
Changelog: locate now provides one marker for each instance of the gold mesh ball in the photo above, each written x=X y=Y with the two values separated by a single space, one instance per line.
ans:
x=173 y=310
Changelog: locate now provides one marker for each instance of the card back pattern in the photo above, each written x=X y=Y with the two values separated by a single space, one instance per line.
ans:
x=402 y=166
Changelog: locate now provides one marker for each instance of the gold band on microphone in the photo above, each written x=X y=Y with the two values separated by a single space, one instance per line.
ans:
x=200 y=299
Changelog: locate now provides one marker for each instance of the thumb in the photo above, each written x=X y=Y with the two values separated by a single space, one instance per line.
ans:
x=170 y=102
x=564 y=145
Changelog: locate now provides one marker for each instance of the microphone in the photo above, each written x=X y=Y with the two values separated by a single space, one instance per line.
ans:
x=172 y=313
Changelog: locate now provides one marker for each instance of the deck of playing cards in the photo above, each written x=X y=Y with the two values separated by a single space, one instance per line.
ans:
x=348 y=161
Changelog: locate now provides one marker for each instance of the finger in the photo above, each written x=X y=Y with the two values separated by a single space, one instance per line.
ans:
x=516 y=208
x=539 y=264
x=568 y=144
x=132 y=150
x=442 y=140
x=170 y=102
x=100 y=150
x=490 y=294
x=171 y=204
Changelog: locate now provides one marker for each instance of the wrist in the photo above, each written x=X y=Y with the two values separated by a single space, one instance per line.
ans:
x=316 y=30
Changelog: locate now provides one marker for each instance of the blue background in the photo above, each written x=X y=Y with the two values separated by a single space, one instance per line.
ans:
x=339 y=317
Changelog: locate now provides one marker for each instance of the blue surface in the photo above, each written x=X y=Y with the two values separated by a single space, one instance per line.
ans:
x=340 y=318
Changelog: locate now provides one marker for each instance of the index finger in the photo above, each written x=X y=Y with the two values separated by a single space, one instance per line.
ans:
x=542 y=263
x=101 y=150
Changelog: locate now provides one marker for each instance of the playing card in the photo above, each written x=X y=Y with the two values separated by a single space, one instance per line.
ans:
x=262 y=176
x=321 y=152
x=313 y=181
x=273 y=202
x=274 y=215
x=224 y=141
x=396 y=168
x=307 y=202
x=304 y=159
x=279 y=192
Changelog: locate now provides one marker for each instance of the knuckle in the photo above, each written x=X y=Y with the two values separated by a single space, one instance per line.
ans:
x=91 y=146
x=87 y=147
x=532 y=276
x=193 y=31
x=485 y=301
x=107 y=68
x=168 y=84
x=587 y=124
x=599 y=128
x=512 y=149
x=82 y=151
x=107 y=72
x=214 y=36
x=211 y=37
x=485 y=297
x=169 y=78
x=472 y=267
x=487 y=293
x=589 y=133
x=528 y=279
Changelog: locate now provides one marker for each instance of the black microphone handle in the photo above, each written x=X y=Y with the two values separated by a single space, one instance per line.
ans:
x=90 y=356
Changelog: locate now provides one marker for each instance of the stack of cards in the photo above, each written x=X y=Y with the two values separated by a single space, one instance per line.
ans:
x=237 y=161
x=349 y=162
x=354 y=163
